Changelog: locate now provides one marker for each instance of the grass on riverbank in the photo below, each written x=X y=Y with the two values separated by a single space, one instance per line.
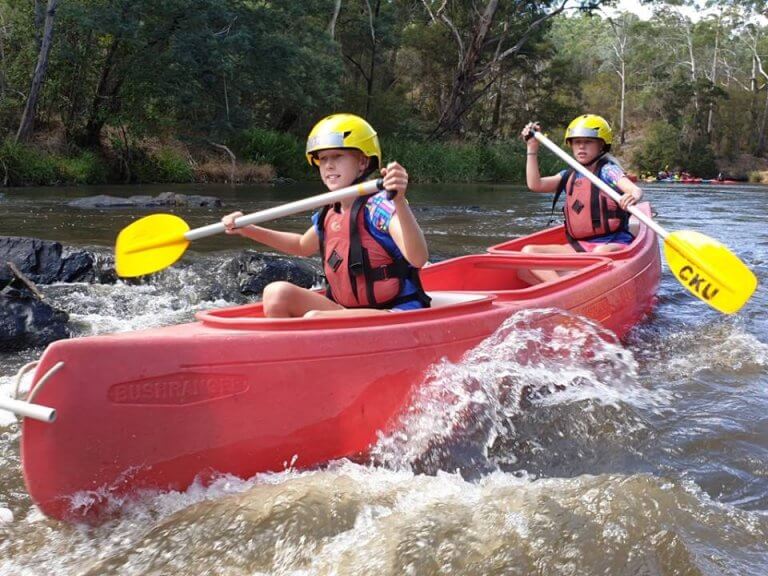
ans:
x=425 y=161
x=262 y=155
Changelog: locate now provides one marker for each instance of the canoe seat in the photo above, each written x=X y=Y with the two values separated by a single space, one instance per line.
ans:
x=442 y=298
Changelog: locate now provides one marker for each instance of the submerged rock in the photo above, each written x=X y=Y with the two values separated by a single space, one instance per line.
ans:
x=28 y=322
x=166 y=199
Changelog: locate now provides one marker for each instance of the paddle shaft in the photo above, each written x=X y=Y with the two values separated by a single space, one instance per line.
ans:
x=362 y=189
x=584 y=171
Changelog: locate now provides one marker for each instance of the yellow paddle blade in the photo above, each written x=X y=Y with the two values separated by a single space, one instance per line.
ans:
x=150 y=244
x=709 y=270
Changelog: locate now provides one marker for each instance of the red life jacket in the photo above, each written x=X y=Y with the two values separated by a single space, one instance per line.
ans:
x=362 y=272
x=589 y=213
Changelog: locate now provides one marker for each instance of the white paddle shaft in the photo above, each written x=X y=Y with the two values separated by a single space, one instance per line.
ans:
x=584 y=171
x=367 y=187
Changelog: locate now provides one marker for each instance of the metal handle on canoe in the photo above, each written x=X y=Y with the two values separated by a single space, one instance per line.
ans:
x=361 y=189
x=615 y=196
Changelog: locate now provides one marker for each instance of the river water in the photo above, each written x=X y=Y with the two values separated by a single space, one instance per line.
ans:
x=656 y=463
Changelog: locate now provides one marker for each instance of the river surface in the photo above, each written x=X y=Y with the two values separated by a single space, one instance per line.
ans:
x=655 y=464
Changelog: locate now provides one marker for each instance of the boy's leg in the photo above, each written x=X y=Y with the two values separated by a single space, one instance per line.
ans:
x=610 y=247
x=286 y=300
x=543 y=275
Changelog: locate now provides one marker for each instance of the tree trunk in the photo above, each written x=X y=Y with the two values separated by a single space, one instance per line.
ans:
x=38 y=78
x=622 y=128
x=3 y=80
x=39 y=22
x=463 y=81
x=334 y=18
x=689 y=43
x=106 y=94
x=496 y=117
x=710 y=114
x=763 y=125
x=373 y=15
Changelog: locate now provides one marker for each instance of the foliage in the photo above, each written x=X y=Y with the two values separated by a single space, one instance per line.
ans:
x=23 y=165
x=445 y=95
x=84 y=168
x=463 y=162
x=660 y=149
x=163 y=166
x=281 y=150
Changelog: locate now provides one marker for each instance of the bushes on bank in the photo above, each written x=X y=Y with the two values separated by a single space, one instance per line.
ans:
x=261 y=155
x=425 y=161
x=282 y=151
x=501 y=161
x=20 y=165
x=85 y=168
x=661 y=149
x=164 y=166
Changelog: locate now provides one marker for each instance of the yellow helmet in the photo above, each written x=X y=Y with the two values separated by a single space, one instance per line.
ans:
x=343 y=131
x=590 y=126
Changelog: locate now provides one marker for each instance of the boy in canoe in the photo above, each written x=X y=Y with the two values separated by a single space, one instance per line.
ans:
x=372 y=247
x=593 y=221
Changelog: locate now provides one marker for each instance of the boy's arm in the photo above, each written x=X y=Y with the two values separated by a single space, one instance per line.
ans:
x=631 y=193
x=407 y=234
x=403 y=228
x=288 y=242
x=533 y=178
x=615 y=176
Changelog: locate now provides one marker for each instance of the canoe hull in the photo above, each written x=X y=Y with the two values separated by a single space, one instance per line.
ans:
x=237 y=393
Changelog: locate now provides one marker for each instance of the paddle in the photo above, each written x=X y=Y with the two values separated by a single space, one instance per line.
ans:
x=157 y=241
x=703 y=265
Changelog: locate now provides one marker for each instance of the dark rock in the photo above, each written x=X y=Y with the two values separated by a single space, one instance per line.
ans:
x=256 y=270
x=101 y=201
x=27 y=322
x=43 y=261
x=281 y=181
x=166 y=199
x=192 y=200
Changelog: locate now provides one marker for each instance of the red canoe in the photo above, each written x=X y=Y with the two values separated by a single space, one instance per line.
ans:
x=237 y=393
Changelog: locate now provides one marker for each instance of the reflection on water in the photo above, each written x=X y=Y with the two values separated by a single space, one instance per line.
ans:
x=648 y=457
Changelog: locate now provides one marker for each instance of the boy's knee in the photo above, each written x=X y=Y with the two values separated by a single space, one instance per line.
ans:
x=529 y=249
x=276 y=297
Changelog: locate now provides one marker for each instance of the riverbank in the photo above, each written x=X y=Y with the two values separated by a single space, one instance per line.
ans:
x=253 y=156
x=264 y=156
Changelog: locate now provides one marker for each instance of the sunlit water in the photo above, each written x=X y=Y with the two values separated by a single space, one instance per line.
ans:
x=644 y=457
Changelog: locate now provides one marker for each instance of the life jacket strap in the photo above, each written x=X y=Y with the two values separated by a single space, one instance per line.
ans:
x=398 y=269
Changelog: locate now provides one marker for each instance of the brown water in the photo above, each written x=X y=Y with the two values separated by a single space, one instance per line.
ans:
x=657 y=463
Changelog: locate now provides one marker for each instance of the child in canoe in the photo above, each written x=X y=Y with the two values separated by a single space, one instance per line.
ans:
x=593 y=221
x=372 y=247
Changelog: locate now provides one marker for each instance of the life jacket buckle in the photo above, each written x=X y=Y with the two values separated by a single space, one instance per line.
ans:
x=356 y=268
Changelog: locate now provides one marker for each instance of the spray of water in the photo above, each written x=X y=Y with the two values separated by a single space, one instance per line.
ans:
x=537 y=358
